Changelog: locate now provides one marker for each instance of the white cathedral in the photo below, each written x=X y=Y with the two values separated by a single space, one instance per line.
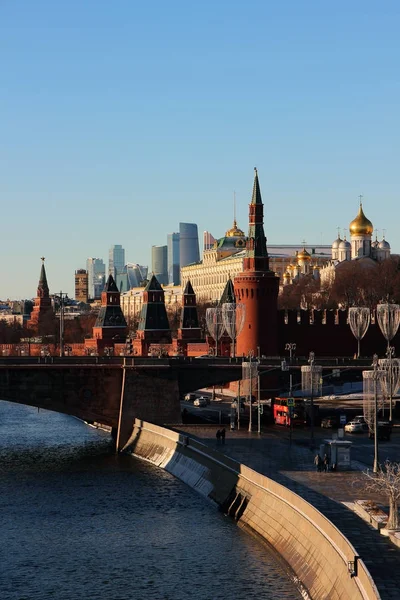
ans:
x=360 y=247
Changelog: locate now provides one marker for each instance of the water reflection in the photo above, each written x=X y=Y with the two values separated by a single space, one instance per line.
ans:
x=79 y=522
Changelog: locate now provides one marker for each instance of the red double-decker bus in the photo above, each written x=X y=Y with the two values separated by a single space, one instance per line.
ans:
x=287 y=415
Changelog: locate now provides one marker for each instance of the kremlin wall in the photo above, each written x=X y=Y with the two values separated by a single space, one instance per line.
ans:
x=255 y=285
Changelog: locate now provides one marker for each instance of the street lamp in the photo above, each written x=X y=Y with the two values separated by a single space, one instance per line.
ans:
x=391 y=380
x=372 y=400
x=62 y=297
x=311 y=361
x=310 y=383
x=215 y=324
x=290 y=347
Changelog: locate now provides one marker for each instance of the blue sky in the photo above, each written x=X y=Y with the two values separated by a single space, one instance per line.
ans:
x=120 y=119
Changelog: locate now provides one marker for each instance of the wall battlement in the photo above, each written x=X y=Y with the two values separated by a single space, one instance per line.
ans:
x=327 y=333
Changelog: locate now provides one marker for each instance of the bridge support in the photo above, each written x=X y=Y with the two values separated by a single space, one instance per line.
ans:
x=152 y=397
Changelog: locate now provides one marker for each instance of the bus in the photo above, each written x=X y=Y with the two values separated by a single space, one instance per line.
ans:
x=285 y=415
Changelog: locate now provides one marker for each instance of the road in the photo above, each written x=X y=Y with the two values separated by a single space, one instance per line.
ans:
x=362 y=449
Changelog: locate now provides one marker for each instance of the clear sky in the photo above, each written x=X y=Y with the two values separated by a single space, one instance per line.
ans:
x=120 y=119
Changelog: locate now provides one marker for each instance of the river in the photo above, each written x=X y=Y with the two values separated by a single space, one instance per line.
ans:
x=79 y=523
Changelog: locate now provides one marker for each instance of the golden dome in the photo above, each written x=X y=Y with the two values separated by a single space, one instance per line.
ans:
x=361 y=225
x=234 y=231
x=304 y=255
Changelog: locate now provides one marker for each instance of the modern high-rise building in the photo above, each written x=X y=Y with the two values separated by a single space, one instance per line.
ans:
x=96 y=270
x=188 y=244
x=81 y=285
x=174 y=271
x=116 y=259
x=208 y=240
x=159 y=263
x=131 y=276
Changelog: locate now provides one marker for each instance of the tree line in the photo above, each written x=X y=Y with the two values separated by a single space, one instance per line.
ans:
x=355 y=283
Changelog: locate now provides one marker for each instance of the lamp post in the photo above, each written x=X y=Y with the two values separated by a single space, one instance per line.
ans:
x=311 y=361
x=376 y=455
x=250 y=356
x=308 y=381
x=391 y=379
x=247 y=373
x=62 y=296
x=290 y=347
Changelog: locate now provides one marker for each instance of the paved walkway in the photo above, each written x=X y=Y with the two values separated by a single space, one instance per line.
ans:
x=293 y=467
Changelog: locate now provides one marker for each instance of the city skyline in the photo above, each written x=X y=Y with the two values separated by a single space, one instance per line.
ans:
x=118 y=126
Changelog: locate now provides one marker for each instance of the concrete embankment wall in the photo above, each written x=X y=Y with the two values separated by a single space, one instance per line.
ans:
x=317 y=552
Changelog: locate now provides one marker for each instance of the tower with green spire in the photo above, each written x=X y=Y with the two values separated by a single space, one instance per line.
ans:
x=110 y=325
x=189 y=329
x=257 y=287
x=153 y=323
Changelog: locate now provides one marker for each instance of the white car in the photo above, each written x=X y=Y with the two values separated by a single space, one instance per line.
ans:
x=201 y=401
x=355 y=427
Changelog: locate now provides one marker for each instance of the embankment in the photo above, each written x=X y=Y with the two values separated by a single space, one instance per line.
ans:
x=320 y=556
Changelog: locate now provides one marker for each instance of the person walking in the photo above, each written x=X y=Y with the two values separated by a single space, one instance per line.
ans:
x=326 y=463
x=218 y=436
x=223 y=435
x=318 y=462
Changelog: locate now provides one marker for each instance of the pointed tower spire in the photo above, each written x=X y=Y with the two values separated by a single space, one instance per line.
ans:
x=110 y=324
x=189 y=316
x=256 y=196
x=153 y=323
x=43 y=288
x=256 y=246
x=42 y=314
x=228 y=295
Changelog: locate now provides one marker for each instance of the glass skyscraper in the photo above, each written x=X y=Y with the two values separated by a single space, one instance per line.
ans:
x=188 y=244
x=96 y=277
x=174 y=269
x=131 y=276
x=116 y=259
x=159 y=263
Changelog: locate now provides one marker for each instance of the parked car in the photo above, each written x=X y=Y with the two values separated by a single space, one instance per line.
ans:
x=190 y=397
x=201 y=401
x=329 y=422
x=355 y=427
x=359 y=419
x=206 y=398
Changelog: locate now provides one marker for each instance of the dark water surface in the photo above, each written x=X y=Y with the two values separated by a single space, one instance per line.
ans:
x=78 y=522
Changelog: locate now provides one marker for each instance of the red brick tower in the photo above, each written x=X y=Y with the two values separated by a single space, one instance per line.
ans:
x=110 y=326
x=153 y=324
x=42 y=315
x=257 y=287
x=189 y=329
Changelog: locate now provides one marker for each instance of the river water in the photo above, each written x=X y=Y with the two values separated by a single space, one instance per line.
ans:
x=79 y=523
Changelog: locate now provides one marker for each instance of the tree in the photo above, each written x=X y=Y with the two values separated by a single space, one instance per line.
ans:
x=386 y=482
x=302 y=293
x=10 y=333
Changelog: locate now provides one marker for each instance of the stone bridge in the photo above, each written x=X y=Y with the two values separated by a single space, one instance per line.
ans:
x=112 y=391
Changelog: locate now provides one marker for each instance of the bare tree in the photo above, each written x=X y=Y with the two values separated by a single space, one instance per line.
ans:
x=386 y=482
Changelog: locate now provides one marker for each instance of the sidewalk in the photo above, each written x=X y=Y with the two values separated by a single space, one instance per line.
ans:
x=293 y=467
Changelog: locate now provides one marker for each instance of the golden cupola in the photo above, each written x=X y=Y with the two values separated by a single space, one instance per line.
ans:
x=234 y=231
x=303 y=255
x=361 y=225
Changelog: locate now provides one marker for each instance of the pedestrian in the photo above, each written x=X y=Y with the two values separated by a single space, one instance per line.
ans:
x=318 y=462
x=218 y=436
x=223 y=435
x=326 y=463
